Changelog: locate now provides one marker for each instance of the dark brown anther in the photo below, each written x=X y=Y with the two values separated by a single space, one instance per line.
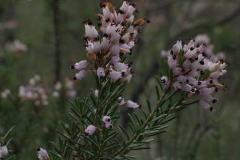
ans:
x=99 y=24
x=72 y=67
x=105 y=35
x=140 y=106
x=74 y=78
x=179 y=39
x=121 y=12
x=183 y=70
x=134 y=4
x=201 y=62
x=107 y=20
x=196 y=58
x=110 y=126
x=214 y=100
x=216 y=89
x=86 y=134
x=211 y=109
x=135 y=41
x=211 y=81
x=123 y=74
x=199 y=83
x=197 y=91
x=121 y=41
x=171 y=52
x=190 y=59
x=201 y=72
x=192 y=90
x=187 y=81
x=179 y=90
x=174 y=57
x=191 y=48
x=38 y=149
x=85 y=38
x=203 y=54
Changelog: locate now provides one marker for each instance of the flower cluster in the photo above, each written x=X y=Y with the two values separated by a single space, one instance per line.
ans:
x=118 y=32
x=16 y=46
x=194 y=72
x=107 y=49
x=208 y=50
x=68 y=87
x=33 y=91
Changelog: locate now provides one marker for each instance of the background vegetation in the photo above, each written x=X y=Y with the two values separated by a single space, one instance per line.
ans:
x=52 y=31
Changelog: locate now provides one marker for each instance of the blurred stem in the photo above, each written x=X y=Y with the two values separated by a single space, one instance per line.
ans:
x=56 y=21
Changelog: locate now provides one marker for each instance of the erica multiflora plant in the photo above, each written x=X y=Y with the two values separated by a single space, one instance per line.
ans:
x=92 y=132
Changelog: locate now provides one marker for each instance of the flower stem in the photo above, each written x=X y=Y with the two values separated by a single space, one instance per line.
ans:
x=141 y=129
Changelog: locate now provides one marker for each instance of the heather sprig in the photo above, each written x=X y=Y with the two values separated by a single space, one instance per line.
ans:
x=92 y=131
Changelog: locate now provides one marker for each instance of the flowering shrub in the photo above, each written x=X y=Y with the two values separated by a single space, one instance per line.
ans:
x=93 y=133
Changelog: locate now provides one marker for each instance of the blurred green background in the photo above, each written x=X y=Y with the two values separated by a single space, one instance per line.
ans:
x=45 y=37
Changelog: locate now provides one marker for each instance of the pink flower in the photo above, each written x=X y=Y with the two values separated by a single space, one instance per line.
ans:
x=108 y=125
x=80 y=65
x=90 y=130
x=43 y=153
x=106 y=119
x=80 y=75
x=115 y=75
x=131 y=104
x=204 y=105
x=100 y=72
x=120 y=66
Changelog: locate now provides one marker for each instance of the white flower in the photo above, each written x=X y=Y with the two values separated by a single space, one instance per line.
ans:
x=4 y=150
x=120 y=66
x=80 y=65
x=122 y=102
x=164 y=80
x=37 y=77
x=100 y=72
x=131 y=104
x=58 y=86
x=96 y=93
x=186 y=87
x=71 y=93
x=115 y=36
x=115 y=49
x=177 y=86
x=127 y=78
x=105 y=43
x=111 y=29
x=90 y=130
x=43 y=153
x=108 y=125
x=115 y=75
x=115 y=59
x=106 y=119
x=55 y=94
x=204 y=105
x=80 y=75
x=32 y=81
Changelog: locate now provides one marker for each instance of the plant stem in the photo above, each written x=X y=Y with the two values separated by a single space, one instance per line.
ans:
x=141 y=129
